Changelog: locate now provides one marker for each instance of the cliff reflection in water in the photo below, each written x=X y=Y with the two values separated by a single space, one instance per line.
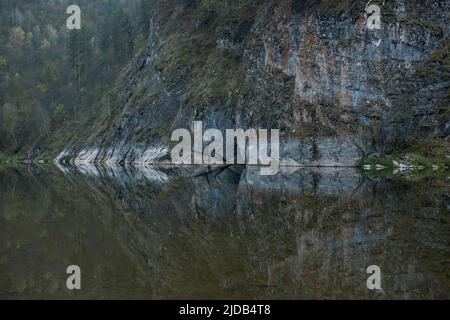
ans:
x=220 y=233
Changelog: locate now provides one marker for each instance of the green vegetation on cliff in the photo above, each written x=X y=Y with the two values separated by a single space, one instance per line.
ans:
x=51 y=78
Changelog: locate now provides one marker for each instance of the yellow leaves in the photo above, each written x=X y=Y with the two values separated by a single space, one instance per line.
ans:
x=45 y=44
x=43 y=88
x=28 y=38
x=3 y=62
x=16 y=37
x=52 y=33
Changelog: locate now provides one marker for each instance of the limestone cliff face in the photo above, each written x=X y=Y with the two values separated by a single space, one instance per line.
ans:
x=336 y=90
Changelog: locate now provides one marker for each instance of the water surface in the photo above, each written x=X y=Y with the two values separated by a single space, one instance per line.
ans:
x=164 y=233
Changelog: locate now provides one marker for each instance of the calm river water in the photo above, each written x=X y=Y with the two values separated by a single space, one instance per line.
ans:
x=163 y=233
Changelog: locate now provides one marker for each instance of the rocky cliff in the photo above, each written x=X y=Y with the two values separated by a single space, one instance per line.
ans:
x=335 y=89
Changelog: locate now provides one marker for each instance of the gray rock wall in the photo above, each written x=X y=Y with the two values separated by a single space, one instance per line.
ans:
x=335 y=89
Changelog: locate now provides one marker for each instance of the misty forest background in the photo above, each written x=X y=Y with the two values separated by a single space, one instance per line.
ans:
x=52 y=77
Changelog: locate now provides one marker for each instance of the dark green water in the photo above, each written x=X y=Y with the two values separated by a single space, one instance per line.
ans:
x=180 y=233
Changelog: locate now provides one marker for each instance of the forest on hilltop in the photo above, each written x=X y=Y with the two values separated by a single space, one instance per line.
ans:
x=52 y=77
